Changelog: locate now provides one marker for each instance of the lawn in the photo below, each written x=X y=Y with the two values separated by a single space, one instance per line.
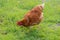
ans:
x=12 y=11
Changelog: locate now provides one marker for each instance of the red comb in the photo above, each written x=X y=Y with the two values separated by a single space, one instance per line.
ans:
x=19 y=23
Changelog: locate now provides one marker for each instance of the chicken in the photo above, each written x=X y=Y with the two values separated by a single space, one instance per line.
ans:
x=33 y=17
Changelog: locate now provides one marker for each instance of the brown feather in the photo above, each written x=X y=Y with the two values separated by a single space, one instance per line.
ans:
x=33 y=17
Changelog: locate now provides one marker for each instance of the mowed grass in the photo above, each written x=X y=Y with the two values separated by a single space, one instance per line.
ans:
x=12 y=11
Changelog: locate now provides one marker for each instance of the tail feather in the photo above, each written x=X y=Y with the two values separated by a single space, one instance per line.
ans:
x=43 y=5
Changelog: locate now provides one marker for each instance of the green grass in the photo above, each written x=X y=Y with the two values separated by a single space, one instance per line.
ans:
x=12 y=11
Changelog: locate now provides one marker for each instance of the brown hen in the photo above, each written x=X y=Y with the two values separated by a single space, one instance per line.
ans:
x=33 y=17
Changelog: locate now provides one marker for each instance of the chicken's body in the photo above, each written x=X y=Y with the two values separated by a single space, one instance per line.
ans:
x=33 y=17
